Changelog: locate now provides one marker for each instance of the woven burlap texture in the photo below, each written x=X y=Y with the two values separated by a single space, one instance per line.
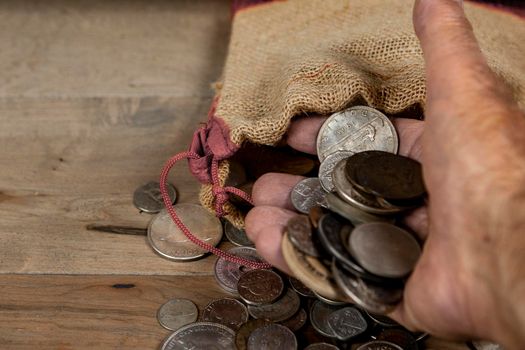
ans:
x=294 y=57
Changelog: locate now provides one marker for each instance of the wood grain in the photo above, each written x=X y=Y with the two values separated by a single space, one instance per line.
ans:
x=111 y=48
x=92 y=312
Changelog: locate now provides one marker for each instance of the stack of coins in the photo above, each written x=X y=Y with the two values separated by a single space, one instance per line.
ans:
x=348 y=247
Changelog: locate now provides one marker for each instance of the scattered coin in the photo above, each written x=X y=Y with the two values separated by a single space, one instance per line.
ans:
x=399 y=337
x=236 y=235
x=327 y=167
x=374 y=297
x=300 y=234
x=272 y=337
x=382 y=320
x=300 y=288
x=321 y=346
x=356 y=129
x=227 y=273
x=147 y=198
x=176 y=313
x=280 y=310
x=319 y=314
x=201 y=335
x=241 y=338
x=398 y=249
x=379 y=345
x=258 y=287
x=387 y=175
x=297 y=321
x=307 y=194
x=226 y=311
x=347 y=323
x=170 y=242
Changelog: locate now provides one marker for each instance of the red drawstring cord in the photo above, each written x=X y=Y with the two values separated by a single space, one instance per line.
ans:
x=221 y=197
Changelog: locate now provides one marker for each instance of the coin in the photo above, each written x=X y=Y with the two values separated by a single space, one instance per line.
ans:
x=356 y=129
x=399 y=337
x=382 y=320
x=300 y=234
x=176 y=313
x=379 y=345
x=306 y=194
x=300 y=288
x=236 y=235
x=227 y=273
x=319 y=314
x=373 y=297
x=258 y=287
x=226 y=311
x=347 y=323
x=346 y=191
x=349 y=212
x=327 y=166
x=387 y=175
x=241 y=338
x=315 y=214
x=330 y=301
x=280 y=310
x=297 y=321
x=272 y=337
x=321 y=346
x=147 y=198
x=384 y=249
x=201 y=335
x=310 y=271
x=169 y=241
x=486 y=345
x=236 y=174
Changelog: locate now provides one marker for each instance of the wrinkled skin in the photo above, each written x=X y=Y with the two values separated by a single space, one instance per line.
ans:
x=470 y=280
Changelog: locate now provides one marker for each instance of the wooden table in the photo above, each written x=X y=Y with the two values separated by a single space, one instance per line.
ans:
x=94 y=97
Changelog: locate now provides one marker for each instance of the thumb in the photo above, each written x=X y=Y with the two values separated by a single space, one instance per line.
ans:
x=455 y=66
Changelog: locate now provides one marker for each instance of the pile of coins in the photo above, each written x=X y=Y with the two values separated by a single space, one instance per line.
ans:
x=350 y=247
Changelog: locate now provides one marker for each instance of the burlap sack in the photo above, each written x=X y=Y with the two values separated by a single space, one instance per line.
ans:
x=294 y=57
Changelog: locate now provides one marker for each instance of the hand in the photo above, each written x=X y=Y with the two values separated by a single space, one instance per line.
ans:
x=470 y=280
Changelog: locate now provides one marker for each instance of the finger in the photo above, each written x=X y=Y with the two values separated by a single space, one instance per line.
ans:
x=409 y=131
x=265 y=226
x=418 y=222
x=302 y=133
x=274 y=189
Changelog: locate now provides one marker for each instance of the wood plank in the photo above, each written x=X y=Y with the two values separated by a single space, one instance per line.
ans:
x=91 y=312
x=67 y=163
x=111 y=48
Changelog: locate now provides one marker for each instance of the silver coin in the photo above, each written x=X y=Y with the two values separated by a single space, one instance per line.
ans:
x=330 y=301
x=327 y=167
x=236 y=235
x=486 y=345
x=354 y=215
x=382 y=320
x=227 y=273
x=169 y=241
x=346 y=191
x=307 y=194
x=370 y=296
x=356 y=129
x=321 y=346
x=147 y=198
x=201 y=336
x=379 y=345
x=272 y=337
x=226 y=311
x=384 y=249
x=281 y=310
x=176 y=313
x=347 y=323
x=319 y=313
